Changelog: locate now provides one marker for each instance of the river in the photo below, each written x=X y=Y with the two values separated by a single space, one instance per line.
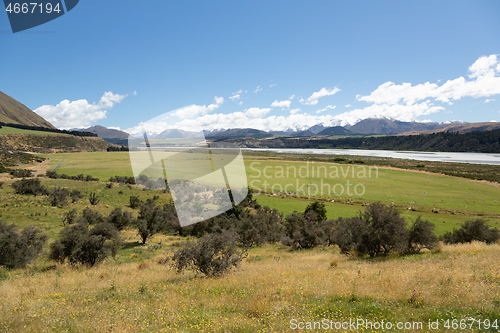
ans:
x=475 y=158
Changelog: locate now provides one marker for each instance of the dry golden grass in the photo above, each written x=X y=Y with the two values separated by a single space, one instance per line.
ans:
x=272 y=286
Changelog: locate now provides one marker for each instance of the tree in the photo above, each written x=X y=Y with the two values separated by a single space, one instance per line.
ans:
x=119 y=218
x=473 y=230
x=421 y=236
x=19 y=248
x=80 y=244
x=153 y=219
x=318 y=208
x=212 y=255
x=58 y=197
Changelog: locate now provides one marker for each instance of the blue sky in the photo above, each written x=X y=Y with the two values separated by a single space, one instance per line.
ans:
x=119 y=62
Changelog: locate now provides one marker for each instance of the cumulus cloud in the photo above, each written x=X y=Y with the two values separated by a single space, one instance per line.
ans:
x=485 y=81
x=257 y=112
x=79 y=113
x=295 y=111
x=313 y=99
x=488 y=100
x=281 y=104
x=194 y=110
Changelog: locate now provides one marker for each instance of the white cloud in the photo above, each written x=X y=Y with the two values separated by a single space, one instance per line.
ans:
x=328 y=107
x=484 y=83
x=135 y=92
x=194 y=110
x=115 y=128
x=257 y=112
x=272 y=85
x=484 y=66
x=489 y=100
x=79 y=113
x=236 y=95
x=258 y=89
x=313 y=99
x=291 y=97
x=295 y=111
x=347 y=105
x=281 y=104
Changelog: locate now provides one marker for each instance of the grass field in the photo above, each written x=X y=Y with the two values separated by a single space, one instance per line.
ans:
x=13 y=130
x=273 y=287
x=137 y=292
x=447 y=201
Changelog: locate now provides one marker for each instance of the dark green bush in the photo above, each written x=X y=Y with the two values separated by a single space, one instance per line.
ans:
x=318 y=208
x=75 y=195
x=119 y=218
x=134 y=202
x=472 y=230
x=19 y=248
x=79 y=243
x=90 y=216
x=421 y=236
x=29 y=186
x=212 y=255
x=304 y=231
x=58 y=197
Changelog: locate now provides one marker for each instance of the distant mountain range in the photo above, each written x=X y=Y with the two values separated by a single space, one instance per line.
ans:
x=13 y=112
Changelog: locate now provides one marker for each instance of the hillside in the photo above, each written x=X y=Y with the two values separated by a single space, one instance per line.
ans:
x=239 y=133
x=336 y=130
x=110 y=135
x=487 y=126
x=52 y=143
x=388 y=126
x=13 y=112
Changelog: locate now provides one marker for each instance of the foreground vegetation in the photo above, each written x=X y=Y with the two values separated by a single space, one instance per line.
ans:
x=288 y=267
x=272 y=286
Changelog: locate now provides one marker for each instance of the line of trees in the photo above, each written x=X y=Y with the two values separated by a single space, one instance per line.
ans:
x=50 y=130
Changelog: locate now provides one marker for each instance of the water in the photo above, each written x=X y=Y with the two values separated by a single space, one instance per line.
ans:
x=475 y=158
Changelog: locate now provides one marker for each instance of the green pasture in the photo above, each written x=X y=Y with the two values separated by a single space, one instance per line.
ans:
x=12 y=130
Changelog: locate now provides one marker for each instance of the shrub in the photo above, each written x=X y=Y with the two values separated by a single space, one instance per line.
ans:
x=80 y=244
x=119 y=218
x=473 y=230
x=385 y=230
x=90 y=216
x=58 y=197
x=318 y=208
x=21 y=173
x=19 y=248
x=134 y=202
x=212 y=255
x=304 y=230
x=94 y=199
x=421 y=236
x=153 y=219
x=75 y=195
x=69 y=217
x=29 y=186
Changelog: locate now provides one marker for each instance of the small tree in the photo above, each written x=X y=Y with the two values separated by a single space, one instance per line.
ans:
x=58 y=197
x=318 y=208
x=80 y=244
x=421 y=236
x=19 y=248
x=212 y=255
x=152 y=219
x=119 y=218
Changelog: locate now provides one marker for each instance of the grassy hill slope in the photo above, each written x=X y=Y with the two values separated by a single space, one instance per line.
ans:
x=14 y=112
